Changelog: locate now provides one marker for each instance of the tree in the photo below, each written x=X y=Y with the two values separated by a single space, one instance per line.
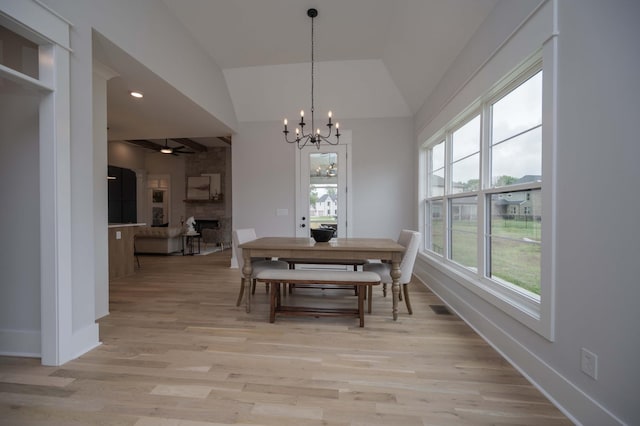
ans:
x=471 y=185
x=505 y=180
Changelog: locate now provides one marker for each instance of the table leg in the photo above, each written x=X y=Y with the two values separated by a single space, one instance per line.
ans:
x=273 y=296
x=361 y=292
x=395 y=287
x=247 y=270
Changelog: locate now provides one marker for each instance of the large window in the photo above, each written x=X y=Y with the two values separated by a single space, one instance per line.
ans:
x=483 y=194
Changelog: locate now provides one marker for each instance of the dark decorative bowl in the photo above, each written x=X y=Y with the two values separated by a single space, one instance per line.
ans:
x=322 y=235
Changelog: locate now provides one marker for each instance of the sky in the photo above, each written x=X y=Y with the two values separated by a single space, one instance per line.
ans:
x=515 y=137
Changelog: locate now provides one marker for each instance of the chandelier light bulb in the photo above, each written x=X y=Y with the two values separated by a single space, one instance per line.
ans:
x=301 y=113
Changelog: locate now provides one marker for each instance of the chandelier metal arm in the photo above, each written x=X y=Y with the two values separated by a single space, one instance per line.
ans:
x=302 y=139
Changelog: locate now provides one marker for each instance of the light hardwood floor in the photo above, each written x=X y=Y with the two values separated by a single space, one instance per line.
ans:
x=177 y=352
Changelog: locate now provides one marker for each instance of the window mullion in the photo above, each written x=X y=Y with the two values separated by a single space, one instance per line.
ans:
x=485 y=182
x=447 y=191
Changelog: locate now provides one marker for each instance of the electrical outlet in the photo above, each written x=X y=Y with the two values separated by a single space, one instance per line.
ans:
x=118 y=235
x=589 y=363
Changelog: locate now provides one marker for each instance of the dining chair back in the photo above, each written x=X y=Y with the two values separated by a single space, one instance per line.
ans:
x=241 y=236
x=410 y=240
x=244 y=235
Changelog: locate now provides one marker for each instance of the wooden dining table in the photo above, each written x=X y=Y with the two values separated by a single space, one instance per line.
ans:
x=335 y=249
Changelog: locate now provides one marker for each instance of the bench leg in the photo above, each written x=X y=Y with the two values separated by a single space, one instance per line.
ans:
x=279 y=295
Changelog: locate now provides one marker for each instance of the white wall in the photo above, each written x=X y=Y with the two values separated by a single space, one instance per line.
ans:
x=263 y=179
x=599 y=246
x=19 y=222
x=596 y=237
x=382 y=177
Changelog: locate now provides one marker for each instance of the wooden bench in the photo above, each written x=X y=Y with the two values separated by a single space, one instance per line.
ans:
x=347 y=262
x=362 y=281
x=341 y=262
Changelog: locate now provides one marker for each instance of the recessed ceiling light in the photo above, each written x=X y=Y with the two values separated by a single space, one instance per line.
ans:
x=136 y=94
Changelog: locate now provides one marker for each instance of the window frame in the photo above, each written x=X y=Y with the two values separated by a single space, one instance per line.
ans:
x=534 y=311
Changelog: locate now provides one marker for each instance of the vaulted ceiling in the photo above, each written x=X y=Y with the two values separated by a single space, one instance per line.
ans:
x=374 y=58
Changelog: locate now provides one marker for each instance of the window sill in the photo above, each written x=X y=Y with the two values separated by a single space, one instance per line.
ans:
x=518 y=305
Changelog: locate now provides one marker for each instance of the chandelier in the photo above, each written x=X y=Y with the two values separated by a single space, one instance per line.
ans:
x=312 y=137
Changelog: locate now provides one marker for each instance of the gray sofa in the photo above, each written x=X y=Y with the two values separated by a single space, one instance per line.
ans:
x=158 y=240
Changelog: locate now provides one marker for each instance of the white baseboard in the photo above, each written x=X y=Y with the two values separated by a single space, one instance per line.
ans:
x=571 y=400
x=23 y=343
x=27 y=343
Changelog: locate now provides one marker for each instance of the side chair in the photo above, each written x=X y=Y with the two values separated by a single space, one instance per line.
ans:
x=411 y=241
x=241 y=236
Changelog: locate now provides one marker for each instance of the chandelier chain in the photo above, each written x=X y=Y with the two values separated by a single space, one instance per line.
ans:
x=313 y=124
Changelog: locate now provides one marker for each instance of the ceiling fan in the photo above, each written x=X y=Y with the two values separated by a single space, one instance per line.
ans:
x=166 y=149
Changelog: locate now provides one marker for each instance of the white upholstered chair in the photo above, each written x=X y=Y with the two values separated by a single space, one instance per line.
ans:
x=411 y=241
x=241 y=236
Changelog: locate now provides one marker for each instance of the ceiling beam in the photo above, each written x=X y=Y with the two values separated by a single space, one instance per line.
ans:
x=144 y=143
x=225 y=139
x=197 y=147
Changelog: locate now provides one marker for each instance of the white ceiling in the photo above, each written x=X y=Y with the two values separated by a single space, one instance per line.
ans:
x=374 y=58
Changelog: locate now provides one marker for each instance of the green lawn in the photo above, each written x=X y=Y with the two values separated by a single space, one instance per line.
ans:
x=515 y=249
x=316 y=221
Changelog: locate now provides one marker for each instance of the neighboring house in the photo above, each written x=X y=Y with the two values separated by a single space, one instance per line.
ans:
x=521 y=205
x=512 y=205
x=327 y=205
x=437 y=186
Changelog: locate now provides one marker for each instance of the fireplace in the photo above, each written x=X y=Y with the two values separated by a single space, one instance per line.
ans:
x=206 y=224
x=210 y=230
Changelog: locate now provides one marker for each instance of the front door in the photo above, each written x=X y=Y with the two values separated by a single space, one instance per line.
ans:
x=322 y=189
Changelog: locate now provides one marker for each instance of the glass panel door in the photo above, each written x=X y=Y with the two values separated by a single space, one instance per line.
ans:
x=322 y=190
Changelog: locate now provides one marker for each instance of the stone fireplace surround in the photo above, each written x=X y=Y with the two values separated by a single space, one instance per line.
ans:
x=209 y=215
